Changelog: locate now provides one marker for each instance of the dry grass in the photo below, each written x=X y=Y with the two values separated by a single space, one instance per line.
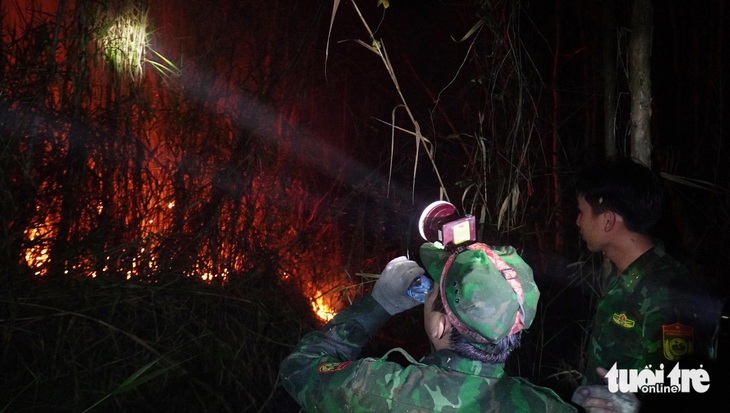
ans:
x=97 y=345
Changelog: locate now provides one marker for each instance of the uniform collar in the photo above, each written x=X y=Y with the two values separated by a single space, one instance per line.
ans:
x=631 y=276
x=448 y=359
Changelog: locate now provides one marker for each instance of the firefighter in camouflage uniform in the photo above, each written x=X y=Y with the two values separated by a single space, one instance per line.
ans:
x=481 y=300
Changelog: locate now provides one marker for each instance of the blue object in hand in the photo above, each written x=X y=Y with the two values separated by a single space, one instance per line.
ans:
x=419 y=288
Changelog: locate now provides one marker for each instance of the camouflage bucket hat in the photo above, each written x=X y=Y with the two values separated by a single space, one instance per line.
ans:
x=488 y=292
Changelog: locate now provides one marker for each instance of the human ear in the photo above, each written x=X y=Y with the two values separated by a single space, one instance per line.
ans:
x=609 y=218
x=442 y=327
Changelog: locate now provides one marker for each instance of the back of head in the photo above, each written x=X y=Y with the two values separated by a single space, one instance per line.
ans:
x=491 y=353
x=488 y=294
x=625 y=187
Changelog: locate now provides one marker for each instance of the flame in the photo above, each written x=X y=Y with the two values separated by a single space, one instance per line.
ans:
x=321 y=308
x=37 y=256
x=126 y=43
x=38 y=253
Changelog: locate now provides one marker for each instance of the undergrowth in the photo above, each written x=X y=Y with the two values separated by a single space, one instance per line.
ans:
x=98 y=345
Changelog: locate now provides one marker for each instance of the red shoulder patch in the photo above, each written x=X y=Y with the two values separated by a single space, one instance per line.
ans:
x=330 y=367
x=677 y=340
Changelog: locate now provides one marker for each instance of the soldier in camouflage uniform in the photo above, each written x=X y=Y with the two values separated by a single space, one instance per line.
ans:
x=652 y=312
x=481 y=300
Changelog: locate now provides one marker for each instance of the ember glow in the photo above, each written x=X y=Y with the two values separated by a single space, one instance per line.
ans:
x=141 y=174
x=36 y=256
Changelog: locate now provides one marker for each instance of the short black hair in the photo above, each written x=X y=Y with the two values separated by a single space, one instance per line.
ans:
x=495 y=352
x=626 y=187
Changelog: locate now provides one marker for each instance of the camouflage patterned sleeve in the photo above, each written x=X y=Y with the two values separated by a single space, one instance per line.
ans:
x=324 y=353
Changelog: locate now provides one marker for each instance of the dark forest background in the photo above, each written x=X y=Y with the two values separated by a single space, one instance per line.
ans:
x=180 y=202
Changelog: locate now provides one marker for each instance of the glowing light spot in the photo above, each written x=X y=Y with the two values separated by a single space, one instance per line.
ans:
x=126 y=41
x=38 y=255
x=321 y=309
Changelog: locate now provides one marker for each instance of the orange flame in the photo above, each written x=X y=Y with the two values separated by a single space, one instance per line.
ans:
x=38 y=255
x=157 y=210
x=321 y=308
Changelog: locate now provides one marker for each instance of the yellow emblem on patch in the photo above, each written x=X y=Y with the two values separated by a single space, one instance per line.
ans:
x=678 y=341
x=332 y=367
x=623 y=321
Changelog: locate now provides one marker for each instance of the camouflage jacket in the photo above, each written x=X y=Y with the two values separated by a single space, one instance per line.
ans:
x=324 y=375
x=654 y=313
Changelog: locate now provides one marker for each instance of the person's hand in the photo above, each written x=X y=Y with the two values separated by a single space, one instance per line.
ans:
x=598 y=399
x=390 y=289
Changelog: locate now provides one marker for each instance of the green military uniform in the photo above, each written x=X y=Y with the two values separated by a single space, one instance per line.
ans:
x=653 y=313
x=324 y=375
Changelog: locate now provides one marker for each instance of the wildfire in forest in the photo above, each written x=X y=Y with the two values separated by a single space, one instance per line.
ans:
x=37 y=257
x=149 y=190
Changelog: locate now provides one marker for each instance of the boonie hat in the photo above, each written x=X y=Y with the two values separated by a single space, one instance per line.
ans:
x=488 y=292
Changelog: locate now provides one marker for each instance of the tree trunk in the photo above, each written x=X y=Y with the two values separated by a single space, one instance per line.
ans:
x=640 y=80
x=554 y=163
x=609 y=80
